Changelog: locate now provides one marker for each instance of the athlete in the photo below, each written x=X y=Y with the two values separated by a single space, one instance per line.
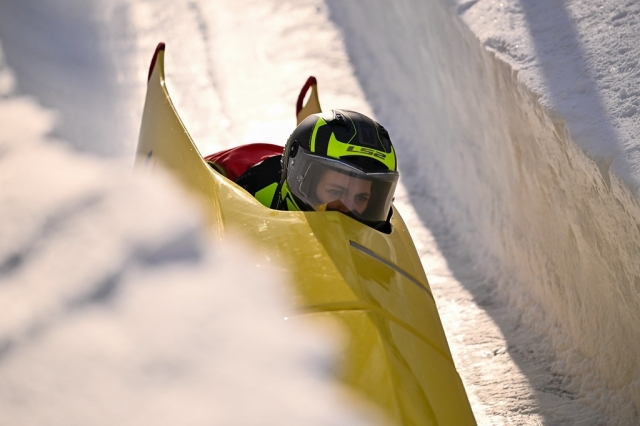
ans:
x=341 y=160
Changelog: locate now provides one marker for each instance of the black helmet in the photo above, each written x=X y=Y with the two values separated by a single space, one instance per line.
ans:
x=341 y=160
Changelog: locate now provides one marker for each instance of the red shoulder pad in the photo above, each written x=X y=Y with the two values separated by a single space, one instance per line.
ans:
x=235 y=161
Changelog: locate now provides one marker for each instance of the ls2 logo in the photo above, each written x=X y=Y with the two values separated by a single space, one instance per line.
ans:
x=367 y=151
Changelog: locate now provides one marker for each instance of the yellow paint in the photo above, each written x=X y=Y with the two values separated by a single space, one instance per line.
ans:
x=372 y=283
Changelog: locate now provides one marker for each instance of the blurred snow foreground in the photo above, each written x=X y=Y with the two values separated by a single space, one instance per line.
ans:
x=118 y=308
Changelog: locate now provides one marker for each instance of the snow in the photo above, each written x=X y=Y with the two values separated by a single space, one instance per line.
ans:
x=515 y=124
x=580 y=57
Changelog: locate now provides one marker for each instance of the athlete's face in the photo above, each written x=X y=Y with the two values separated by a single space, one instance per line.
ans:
x=343 y=192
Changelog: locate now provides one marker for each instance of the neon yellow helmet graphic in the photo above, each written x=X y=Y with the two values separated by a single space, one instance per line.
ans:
x=341 y=160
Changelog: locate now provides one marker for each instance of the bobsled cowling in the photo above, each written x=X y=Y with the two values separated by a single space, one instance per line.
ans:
x=372 y=283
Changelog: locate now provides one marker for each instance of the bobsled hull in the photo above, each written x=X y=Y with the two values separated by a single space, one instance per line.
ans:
x=370 y=282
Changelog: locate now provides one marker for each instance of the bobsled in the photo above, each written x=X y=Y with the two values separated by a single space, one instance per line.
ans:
x=372 y=283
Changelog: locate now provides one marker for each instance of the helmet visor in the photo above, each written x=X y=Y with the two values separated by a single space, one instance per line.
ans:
x=328 y=184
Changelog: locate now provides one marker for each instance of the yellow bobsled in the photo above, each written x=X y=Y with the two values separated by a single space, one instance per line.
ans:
x=371 y=282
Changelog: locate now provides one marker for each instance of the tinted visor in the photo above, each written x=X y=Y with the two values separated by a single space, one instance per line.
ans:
x=328 y=184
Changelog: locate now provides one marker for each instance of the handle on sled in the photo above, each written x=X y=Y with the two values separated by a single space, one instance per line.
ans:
x=313 y=103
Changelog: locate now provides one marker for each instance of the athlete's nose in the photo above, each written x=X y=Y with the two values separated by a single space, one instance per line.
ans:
x=348 y=203
x=338 y=205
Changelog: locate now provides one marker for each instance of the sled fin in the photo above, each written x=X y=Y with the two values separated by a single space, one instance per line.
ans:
x=160 y=48
x=164 y=139
x=313 y=103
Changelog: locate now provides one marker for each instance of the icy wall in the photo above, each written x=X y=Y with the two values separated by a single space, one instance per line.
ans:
x=580 y=57
x=554 y=234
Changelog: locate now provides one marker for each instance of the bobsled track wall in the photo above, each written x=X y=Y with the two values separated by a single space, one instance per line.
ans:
x=556 y=236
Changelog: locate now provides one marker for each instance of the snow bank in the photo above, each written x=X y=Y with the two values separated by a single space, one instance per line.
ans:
x=118 y=308
x=581 y=58
x=503 y=184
